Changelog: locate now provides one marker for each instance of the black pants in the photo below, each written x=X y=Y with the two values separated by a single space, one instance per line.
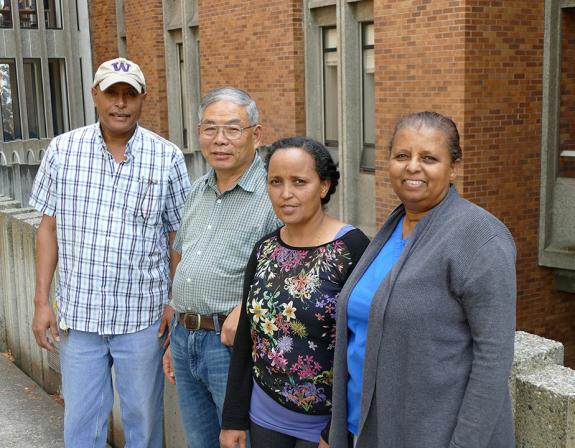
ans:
x=266 y=438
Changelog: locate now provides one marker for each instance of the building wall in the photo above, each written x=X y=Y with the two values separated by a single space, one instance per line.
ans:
x=481 y=65
x=419 y=65
x=257 y=45
x=103 y=30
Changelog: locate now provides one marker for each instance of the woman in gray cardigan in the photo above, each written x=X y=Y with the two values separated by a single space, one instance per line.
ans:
x=426 y=321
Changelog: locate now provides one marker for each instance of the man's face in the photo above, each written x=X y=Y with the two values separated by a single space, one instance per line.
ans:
x=119 y=108
x=227 y=156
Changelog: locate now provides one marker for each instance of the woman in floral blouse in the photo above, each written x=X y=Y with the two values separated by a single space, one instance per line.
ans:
x=280 y=380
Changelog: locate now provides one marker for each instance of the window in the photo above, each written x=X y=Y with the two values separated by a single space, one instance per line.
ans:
x=340 y=99
x=330 y=96
x=557 y=214
x=28 y=13
x=5 y=14
x=34 y=98
x=566 y=151
x=368 y=97
x=9 y=101
x=58 y=96
x=183 y=74
x=53 y=14
x=183 y=93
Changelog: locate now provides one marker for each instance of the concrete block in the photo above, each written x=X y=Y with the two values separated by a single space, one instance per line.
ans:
x=545 y=412
x=8 y=296
x=28 y=238
x=532 y=352
x=9 y=204
x=23 y=266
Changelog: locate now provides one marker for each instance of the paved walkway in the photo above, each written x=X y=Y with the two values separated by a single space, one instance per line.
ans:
x=29 y=417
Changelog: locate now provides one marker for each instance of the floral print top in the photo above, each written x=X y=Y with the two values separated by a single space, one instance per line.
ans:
x=288 y=320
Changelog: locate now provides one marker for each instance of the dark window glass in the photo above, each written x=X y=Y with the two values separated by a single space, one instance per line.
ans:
x=53 y=14
x=5 y=14
x=28 y=13
x=368 y=97
x=567 y=96
x=330 y=96
x=9 y=106
x=34 y=94
x=58 y=96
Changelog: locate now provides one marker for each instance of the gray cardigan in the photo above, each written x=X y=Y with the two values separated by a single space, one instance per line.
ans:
x=440 y=336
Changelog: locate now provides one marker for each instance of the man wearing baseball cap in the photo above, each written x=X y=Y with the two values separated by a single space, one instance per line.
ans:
x=111 y=196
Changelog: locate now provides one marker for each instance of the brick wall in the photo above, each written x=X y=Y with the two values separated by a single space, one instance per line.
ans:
x=257 y=45
x=419 y=58
x=480 y=63
x=145 y=46
x=103 y=31
x=503 y=96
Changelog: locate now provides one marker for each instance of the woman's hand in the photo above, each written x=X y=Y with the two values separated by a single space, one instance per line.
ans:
x=168 y=367
x=233 y=438
x=322 y=443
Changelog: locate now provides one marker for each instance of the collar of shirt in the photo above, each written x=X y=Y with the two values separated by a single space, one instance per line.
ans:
x=131 y=146
x=248 y=182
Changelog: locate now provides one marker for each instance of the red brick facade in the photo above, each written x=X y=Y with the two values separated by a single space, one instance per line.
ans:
x=480 y=62
x=257 y=45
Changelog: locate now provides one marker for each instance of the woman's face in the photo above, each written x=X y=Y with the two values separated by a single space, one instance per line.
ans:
x=420 y=167
x=294 y=186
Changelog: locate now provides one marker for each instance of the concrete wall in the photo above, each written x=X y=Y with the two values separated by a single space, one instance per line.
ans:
x=543 y=390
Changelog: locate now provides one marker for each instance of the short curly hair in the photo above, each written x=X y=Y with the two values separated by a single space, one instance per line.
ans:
x=324 y=164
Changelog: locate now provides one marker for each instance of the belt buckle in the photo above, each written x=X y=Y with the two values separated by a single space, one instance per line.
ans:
x=198 y=316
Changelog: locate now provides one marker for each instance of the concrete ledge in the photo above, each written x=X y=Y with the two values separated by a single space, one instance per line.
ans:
x=545 y=413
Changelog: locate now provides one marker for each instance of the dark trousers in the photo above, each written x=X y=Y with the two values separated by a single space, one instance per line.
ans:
x=265 y=438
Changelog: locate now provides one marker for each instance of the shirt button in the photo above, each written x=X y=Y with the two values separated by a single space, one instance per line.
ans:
x=199 y=252
x=209 y=226
x=188 y=280
x=219 y=201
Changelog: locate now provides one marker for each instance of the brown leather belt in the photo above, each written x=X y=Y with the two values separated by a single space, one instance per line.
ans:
x=194 y=322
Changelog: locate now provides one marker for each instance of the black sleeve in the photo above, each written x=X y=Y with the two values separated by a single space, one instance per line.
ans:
x=235 y=414
x=356 y=242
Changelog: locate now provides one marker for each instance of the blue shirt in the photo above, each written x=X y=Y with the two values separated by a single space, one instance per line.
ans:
x=358 y=307
x=112 y=221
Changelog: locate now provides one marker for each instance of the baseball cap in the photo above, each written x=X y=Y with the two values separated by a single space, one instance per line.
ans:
x=119 y=70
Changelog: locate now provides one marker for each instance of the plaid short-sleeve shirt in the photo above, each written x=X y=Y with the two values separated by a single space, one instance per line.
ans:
x=218 y=233
x=112 y=222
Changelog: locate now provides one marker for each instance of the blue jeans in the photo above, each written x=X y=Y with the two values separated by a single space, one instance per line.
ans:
x=86 y=361
x=200 y=364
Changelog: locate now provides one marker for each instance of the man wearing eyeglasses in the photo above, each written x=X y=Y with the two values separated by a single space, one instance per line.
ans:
x=226 y=213
x=111 y=195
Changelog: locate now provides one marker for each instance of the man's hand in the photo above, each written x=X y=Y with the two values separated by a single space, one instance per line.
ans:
x=165 y=324
x=232 y=438
x=322 y=443
x=168 y=367
x=228 y=330
x=44 y=319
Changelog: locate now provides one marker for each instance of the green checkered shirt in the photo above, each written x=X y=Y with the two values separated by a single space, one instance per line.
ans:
x=216 y=238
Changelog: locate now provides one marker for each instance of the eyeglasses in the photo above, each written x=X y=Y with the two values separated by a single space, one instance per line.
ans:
x=231 y=132
x=145 y=204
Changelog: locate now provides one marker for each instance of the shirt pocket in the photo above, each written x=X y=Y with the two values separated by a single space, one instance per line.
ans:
x=144 y=200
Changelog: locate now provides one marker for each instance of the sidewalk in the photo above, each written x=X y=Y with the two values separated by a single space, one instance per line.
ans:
x=29 y=417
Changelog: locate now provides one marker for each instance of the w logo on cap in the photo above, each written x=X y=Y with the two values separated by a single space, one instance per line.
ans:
x=121 y=66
